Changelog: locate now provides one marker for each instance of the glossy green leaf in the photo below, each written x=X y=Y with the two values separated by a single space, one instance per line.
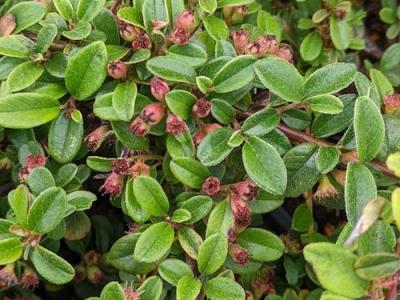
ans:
x=264 y=165
x=112 y=291
x=180 y=102
x=154 y=242
x=216 y=27
x=327 y=104
x=86 y=70
x=47 y=210
x=336 y=275
x=329 y=79
x=40 y=179
x=65 y=9
x=10 y=250
x=214 y=148
x=190 y=241
x=341 y=33
x=311 y=46
x=27 y=13
x=262 y=244
x=377 y=265
x=190 y=54
x=16 y=46
x=151 y=289
x=359 y=190
x=281 y=78
x=123 y=100
x=212 y=253
x=220 y=288
x=208 y=5
x=369 y=128
x=65 y=138
x=327 y=159
x=19 y=201
x=189 y=171
x=87 y=10
x=188 y=288
x=172 y=270
x=24 y=75
x=51 y=266
x=235 y=74
x=150 y=195
x=171 y=69
x=261 y=122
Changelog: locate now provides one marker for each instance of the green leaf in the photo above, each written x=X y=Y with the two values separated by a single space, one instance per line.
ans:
x=153 y=10
x=220 y=219
x=208 y=5
x=27 y=13
x=216 y=27
x=131 y=15
x=16 y=46
x=172 y=270
x=56 y=64
x=222 y=111
x=190 y=241
x=47 y=210
x=302 y=218
x=334 y=268
x=151 y=289
x=190 y=54
x=212 y=253
x=235 y=74
x=87 y=10
x=24 y=75
x=19 y=201
x=264 y=165
x=79 y=32
x=154 y=242
x=327 y=159
x=86 y=70
x=10 y=250
x=27 y=110
x=65 y=9
x=40 y=179
x=171 y=69
x=311 y=46
x=388 y=15
x=327 y=104
x=52 y=267
x=174 y=8
x=45 y=37
x=112 y=291
x=221 y=288
x=377 y=265
x=180 y=102
x=65 y=138
x=133 y=208
x=198 y=206
x=181 y=215
x=214 y=148
x=123 y=100
x=188 y=288
x=189 y=171
x=330 y=79
x=341 y=33
x=302 y=171
x=100 y=164
x=150 y=195
x=262 y=244
x=281 y=78
x=121 y=256
x=228 y=3
x=369 y=128
x=65 y=174
x=261 y=122
x=105 y=23
x=81 y=200
x=359 y=190
x=326 y=125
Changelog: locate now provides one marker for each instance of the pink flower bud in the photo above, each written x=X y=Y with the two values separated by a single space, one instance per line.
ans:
x=139 y=127
x=269 y=44
x=91 y=258
x=201 y=108
x=120 y=166
x=198 y=137
x=241 y=213
x=158 y=25
x=239 y=255
x=94 y=139
x=80 y=273
x=117 y=69
x=139 y=168
x=153 y=113
x=211 y=186
x=112 y=185
x=175 y=125
x=285 y=53
x=247 y=190
x=231 y=235
x=159 y=88
x=29 y=279
x=180 y=36
x=131 y=294
x=240 y=40
x=7 y=276
x=186 y=20
x=95 y=275
x=128 y=32
x=391 y=102
x=35 y=160
x=142 y=41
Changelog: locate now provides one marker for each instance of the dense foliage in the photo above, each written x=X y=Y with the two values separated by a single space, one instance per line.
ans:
x=199 y=149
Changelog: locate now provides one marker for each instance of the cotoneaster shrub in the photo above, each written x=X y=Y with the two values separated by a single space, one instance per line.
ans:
x=199 y=149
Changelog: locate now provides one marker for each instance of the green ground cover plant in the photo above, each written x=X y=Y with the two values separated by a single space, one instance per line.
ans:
x=199 y=149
